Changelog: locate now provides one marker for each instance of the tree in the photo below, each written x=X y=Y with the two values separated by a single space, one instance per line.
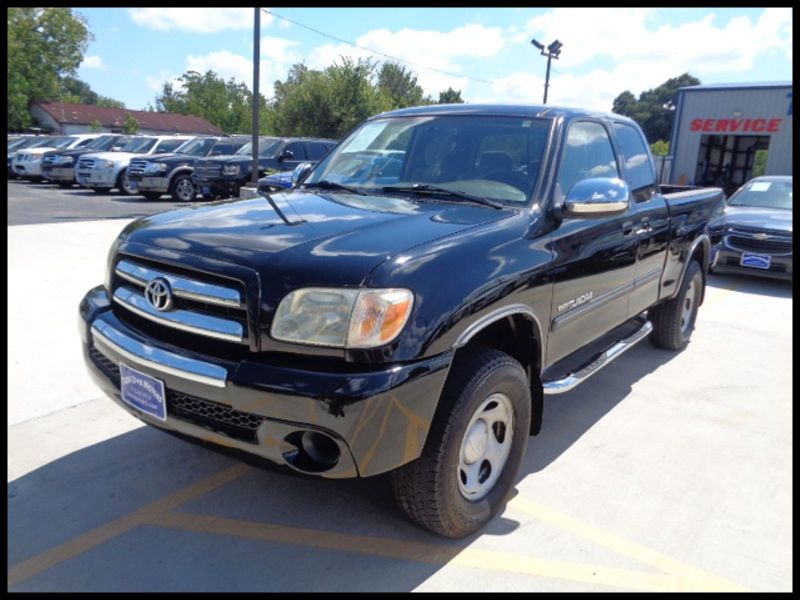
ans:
x=226 y=104
x=654 y=111
x=660 y=148
x=44 y=45
x=75 y=91
x=95 y=126
x=450 y=96
x=400 y=85
x=131 y=125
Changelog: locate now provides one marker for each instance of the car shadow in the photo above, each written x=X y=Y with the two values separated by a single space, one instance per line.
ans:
x=568 y=416
x=350 y=536
x=777 y=288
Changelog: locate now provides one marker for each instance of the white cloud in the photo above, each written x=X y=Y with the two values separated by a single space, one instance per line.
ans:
x=198 y=20
x=646 y=55
x=93 y=62
x=156 y=83
x=224 y=63
x=436 y=49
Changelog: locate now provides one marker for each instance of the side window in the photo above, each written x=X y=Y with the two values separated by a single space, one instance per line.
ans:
x=297 y=149
x=167 y=145
x=638 y=168
x=588 y=154
x=222 y=149
x=316 y=150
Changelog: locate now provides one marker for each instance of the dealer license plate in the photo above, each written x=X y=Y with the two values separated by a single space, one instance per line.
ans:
x=143 y=392
x=755 y=261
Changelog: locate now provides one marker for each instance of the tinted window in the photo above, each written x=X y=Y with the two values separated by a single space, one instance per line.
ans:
x=84 y=143
x=222 y=149
x=138 y=145
x=316 y=150
x=297 y=149
x=588 y=154
x=638 y=168
x=168 y=145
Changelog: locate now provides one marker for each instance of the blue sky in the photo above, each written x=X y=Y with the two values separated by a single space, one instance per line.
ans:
x=484 y=52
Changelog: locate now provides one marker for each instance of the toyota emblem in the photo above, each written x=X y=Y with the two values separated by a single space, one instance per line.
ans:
x=158 y=294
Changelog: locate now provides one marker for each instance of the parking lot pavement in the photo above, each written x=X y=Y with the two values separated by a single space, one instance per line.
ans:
x=30 y=203
x=666 y=471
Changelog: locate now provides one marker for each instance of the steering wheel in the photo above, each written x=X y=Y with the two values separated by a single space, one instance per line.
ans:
x=512 y=178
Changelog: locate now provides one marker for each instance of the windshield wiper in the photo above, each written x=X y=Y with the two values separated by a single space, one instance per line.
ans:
x=333 y=185
x=434 y=189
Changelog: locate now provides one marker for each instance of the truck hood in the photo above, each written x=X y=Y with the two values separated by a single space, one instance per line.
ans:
x=113 y=156
x=752 y=217
x=321 y=239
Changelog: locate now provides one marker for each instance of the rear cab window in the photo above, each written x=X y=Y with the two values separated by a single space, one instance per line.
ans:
x=639 y=169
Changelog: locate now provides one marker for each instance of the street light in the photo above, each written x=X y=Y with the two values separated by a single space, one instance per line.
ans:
x=553 y=51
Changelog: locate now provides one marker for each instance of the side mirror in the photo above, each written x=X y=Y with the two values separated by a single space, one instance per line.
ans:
x=597 y=197
x=300 y=172
x=286 y=155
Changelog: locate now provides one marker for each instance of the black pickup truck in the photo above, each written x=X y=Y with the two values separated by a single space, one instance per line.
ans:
x=223 y=176
x=171 y=173
x=408 y=305
x=59 y=166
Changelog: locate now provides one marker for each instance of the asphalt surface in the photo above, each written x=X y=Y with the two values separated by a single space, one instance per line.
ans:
x=666 y=471
x=30 y=203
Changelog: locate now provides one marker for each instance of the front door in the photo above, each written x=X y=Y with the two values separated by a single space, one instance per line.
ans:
x=595 y=258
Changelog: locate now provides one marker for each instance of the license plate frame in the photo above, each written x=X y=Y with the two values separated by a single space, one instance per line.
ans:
x=143 y=392
x=751 y=260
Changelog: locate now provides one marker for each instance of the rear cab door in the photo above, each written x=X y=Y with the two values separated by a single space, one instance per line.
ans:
x=648 y=215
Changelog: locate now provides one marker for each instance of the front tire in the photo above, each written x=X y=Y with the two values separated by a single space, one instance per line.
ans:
x=673 y=321
x=182 y=189
x=474 y=448
x=124 y=185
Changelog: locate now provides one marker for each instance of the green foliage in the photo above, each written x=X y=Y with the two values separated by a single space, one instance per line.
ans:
x=400 y=85
x=660 y=148
x=760 y=164
x=226 y=104
x=44 y=46
x=95 y=126
x=450 y=96
x=654 y=111
x=131 y=125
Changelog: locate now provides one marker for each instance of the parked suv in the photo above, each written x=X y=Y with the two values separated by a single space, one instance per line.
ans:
x=28 y=141
x=28 y=163
x=171 y=173
x=59 y=166
x=102 y=171
x=223 y=176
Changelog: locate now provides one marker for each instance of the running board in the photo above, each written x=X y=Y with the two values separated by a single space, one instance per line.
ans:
x=565 y=384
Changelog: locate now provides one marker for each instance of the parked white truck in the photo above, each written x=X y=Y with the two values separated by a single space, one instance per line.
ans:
x=28 y=163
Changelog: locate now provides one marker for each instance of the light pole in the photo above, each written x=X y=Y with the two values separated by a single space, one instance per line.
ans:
x=256 y=96
x=552 y=51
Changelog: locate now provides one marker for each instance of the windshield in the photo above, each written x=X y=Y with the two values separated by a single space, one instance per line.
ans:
x=139 y=145
x=196 y=147
x=62 y=142
x=104 y=142
x=491 y=157
x=40 y=142
x=764 y=194
x=14 y=144
x=266 y=147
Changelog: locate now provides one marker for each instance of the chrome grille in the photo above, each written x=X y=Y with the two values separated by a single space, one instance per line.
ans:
x=202 y=308
x=86 y=164
x=48 y=160
x=136 y=169
x=769 y=245
x=207 y=170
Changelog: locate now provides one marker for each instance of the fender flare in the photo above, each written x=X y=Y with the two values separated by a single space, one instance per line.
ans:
x=704 y=239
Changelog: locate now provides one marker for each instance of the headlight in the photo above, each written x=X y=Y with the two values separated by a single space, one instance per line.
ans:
x=230 y=170
x=155 y=167
x=64 y=160
x=341 y=317
x=108 y=164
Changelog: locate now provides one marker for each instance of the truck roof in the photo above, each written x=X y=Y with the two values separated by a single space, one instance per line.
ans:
x=506 y=110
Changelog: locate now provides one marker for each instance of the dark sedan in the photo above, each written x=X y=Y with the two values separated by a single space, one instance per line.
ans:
x=756 y=235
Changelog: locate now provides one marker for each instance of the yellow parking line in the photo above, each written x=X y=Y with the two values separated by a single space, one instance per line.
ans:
x=82 y=543
x=690 y=577
x=438 y=554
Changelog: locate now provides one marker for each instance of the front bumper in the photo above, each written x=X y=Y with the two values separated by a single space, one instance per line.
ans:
x=378 y=418
x=96 y=178
x=59 y=174
x=725 y=259
x=152 y=184
x=28 y=168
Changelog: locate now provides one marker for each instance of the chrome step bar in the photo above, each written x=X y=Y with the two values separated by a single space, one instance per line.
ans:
x=565 y=384
x=106 y=338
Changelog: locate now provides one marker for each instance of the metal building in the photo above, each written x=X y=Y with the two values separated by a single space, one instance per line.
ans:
x=721 y=129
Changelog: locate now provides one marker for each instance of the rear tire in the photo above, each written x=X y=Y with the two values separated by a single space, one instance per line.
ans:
x=673 y=321
x=474 y=448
